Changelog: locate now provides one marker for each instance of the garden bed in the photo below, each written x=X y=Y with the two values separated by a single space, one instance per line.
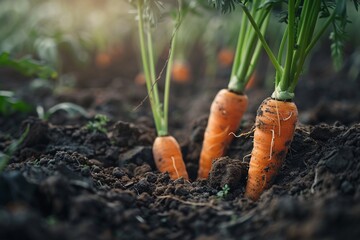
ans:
x=67 y=182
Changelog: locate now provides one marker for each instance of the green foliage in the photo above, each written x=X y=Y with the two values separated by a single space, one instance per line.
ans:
x=9 y=104
x=224 y=191
x=338 y=36
x=60 y=32
x=71 y=109
x=98 y=124
x=27 y=66
x=5 y=157
x=224 y=5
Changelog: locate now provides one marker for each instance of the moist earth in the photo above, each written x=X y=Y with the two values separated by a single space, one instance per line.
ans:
x=66 y=182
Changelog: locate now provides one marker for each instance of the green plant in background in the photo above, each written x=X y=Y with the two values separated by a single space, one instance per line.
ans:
x=27 y=66
x=98 y=124
x=224 y=191
x=61 y=32
x=71 y=109
x=5 y=157
x=9 y=103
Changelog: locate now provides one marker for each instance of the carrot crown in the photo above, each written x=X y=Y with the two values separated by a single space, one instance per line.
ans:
x=299 y=38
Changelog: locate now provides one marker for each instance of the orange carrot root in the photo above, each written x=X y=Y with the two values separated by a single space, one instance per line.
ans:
x=226 y=113
x=103 y=60
x=274 y=130
x=225 y=57
x=168 y=157
x=180 y=72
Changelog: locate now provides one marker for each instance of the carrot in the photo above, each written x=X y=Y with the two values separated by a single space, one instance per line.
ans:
x=140 y=79
x=230 y=104
x=277 y=116
x=274 y=131
x=168 y=157
x=181 y=72
x=225 y=57
x=226 y=112
x=103 y=60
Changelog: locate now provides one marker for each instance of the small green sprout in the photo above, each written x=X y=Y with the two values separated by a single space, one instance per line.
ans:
x=224 y=191
x=71 y=109
x=10 y=151
x=98 y=124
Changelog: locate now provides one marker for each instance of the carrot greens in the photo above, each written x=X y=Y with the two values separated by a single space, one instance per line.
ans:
x=148 y=12
x=302 y=33
x=248 y=45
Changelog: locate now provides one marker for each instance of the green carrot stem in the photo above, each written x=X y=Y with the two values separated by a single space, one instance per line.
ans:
x=152 y=67
x=320 y=33
x=173 y=42
x=249 y=53
x=239 y=46
x=285 y=78
x=265 y=45
x=167 y=80
x=145 y=58
x=257 y=50
x=248 y=48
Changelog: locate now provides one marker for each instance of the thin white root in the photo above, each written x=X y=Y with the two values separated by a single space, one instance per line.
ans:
x=198 y=204
x=243 y=134
x=312 y=189
x=247 y=155
x=174 y=165
x=278 y=117
x=272 y=142
x=285 y=119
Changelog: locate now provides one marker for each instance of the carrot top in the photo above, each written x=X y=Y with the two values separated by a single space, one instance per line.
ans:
x=147 y=16
x=248 y=45
x=303 y=31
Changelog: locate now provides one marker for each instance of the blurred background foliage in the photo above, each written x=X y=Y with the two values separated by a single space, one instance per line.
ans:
x=73 y=36
x=57 y=31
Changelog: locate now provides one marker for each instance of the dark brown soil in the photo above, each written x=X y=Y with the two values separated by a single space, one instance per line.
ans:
x=67 y=182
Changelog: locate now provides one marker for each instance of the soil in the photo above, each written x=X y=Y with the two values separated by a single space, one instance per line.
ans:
x=67 y=182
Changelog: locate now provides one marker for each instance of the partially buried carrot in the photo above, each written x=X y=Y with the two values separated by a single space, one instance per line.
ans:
x=168 y=157
x=274 y=131
x=226 y=113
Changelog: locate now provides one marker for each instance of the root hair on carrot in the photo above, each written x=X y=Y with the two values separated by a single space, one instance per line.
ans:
x=243 y=134
x=247 y=155
x=272 y=142
x=174 y=165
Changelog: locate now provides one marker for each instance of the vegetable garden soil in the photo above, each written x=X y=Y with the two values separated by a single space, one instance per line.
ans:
x=66 y=182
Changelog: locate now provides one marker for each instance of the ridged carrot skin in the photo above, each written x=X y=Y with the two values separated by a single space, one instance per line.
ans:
x=168 y=157
x=274 y=130
x=225 y=117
